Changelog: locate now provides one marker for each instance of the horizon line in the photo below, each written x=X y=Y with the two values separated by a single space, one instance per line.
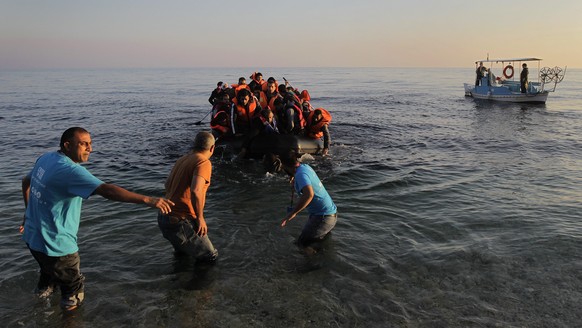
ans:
x=231 y=67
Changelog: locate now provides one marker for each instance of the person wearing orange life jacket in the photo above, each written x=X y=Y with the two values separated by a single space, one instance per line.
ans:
x=274 y=99
x=261 y=98
x=272 y=95
x=306 y=108
x=245 y=107
x=317 y=126
x=257 y=82
x=244 y=111
x=305 y=96
x=221 y=125
x=222 y=103
x=291 y=94
x=265 y=86
x=220 y=122
x=291 y=90
x=291 y=120
x=242 y=85
x=256 y=87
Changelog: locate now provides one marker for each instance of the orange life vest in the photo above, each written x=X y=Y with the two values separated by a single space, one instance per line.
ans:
x=262 y=99
x=299 y=116
x=299 y=113
x=294 y=98
x=314 y=130
x=221 y=123
x=271 y=101
x=245 y=115
x=261 y=83
x=239 y=87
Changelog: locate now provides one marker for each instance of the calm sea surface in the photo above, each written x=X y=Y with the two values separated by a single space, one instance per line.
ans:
x=452 y=212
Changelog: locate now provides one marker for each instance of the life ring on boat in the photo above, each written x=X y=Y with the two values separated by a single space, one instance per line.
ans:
x=508 y=68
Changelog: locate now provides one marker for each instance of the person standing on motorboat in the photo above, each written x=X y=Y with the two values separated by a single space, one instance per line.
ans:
x=523 y=78
x=491 y=79
x=480 y=73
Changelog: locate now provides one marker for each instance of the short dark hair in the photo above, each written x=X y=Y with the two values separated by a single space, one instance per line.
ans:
x=290 y=159
x=69 y=134
x=243 y=93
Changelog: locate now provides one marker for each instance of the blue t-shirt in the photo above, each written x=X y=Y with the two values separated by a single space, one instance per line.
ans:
x=321 y=204
x=57 y=186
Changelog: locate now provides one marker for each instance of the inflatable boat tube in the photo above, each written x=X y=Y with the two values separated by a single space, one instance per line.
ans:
x=277 y=144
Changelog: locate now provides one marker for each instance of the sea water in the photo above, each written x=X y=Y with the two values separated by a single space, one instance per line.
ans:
x=451 y=212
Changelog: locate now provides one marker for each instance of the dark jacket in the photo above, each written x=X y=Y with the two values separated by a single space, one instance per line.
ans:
x=523 y=75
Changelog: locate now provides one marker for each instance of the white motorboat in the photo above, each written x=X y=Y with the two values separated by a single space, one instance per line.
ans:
x=508 y=87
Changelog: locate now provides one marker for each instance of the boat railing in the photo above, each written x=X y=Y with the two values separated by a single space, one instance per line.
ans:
x=515 y=86
x=535 y=87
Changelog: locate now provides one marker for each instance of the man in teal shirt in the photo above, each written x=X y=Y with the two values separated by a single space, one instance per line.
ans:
x=53 y=192
x=313 y=196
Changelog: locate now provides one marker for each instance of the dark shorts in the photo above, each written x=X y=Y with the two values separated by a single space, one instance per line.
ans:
x=316 y=228
x=181 y=232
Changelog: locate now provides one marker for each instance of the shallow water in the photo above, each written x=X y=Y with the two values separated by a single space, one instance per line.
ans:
x=452 y=212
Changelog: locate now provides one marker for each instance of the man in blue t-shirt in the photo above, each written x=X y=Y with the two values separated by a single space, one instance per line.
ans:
x=53 y=192
x=313 y=196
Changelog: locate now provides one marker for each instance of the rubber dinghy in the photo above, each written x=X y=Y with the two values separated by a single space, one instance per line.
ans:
x=277 y=144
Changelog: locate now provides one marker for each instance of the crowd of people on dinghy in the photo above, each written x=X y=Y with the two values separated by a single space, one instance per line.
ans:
x=246 y=111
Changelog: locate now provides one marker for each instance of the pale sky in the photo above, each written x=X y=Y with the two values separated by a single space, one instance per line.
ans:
x=299 y=33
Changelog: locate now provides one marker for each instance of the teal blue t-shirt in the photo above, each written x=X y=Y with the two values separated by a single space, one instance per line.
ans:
x=321 y=204
x=53 y=214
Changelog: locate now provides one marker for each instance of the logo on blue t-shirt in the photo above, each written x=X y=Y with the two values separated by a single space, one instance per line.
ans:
x=40 y=173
